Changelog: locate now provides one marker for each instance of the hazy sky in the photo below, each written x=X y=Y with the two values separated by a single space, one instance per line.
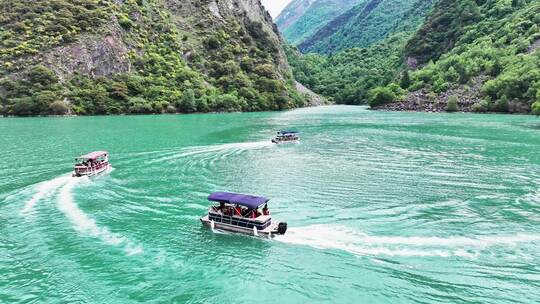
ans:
x=275 y=6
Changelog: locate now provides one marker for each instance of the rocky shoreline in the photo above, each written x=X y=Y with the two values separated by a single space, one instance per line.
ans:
x=467 y=97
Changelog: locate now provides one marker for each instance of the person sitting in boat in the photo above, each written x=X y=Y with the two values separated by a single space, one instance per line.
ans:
x=237 y=211
x=265 y=210
x=255 y=213
x=220 y=208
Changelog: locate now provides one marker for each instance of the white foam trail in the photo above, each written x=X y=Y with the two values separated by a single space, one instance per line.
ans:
x=44 y=190
x=86 y=225
x=346 y=239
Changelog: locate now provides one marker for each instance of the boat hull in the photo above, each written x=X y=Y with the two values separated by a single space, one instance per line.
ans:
x=268 y=232
x=96 y=171
x=280 y=142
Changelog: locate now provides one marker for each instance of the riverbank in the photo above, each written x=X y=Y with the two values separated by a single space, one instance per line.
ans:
x=436 y=107
x=468 y=100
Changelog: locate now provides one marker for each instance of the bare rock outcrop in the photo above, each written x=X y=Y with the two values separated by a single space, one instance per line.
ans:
x=314 y=98
x=91 y=55
x=425 y=101
x=533 y=47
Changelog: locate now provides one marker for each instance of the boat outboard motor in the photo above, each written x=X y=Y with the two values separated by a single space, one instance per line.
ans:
x=282 y=228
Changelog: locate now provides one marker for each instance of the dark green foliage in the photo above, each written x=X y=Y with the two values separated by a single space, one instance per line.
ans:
x=501 y=105
x=316 y=15
x=489 y=45
x=452 y=104
x=59 y=107
x=380 y=96
x=405 y=80
x=348 y=76
x=481 y=107
x=369 y=22
x=445 y=25
x=188 y=103
x=496 y=48
x=33 y=94
x=536 y=108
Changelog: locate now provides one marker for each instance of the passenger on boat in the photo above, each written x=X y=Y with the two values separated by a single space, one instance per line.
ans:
x=265 y=210
x=255 y=213
x=238 y=211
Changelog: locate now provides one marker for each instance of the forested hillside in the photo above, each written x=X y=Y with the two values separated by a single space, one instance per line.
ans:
x=480 y=56
x=302 y=18
x=368 y=22
x=468 y=55
x=347 y=76
x=140 y=56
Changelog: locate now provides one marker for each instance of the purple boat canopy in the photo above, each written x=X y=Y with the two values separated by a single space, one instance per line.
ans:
x=94 y=155
x=249 y=201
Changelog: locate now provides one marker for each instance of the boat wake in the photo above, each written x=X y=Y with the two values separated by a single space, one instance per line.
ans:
x=61 y=189
x=86 y=225
x=45 y=190
x=349 y=240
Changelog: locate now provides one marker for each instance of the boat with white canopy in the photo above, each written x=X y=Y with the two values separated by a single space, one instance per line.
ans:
x=286 y=137
x=91 y=164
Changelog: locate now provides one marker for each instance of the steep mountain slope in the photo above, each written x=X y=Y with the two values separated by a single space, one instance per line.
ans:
x=366 y=23
x=439 y=34
x=483 y=56
x=469 y=55
x=347 y=76
x=141 y=56
x=302 y=18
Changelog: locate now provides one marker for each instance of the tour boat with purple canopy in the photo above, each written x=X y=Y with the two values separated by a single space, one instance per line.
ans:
x=240 y=213
x=91 y=164
x=286 y=137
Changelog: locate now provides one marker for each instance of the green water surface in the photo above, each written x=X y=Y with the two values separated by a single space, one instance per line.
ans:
x=382 y=208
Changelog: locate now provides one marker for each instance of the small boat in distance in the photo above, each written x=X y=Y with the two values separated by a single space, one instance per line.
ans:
x=286 y=137
x=91 y=164
x=240 y=213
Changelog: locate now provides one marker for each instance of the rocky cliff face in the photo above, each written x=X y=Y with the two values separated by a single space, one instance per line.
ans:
x=185 y=56
x=218 y=15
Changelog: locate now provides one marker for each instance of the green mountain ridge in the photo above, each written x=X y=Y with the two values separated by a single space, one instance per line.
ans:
x=366 y=23
x=302 y=18
x=482 y=54
x=476 y=55
x=141 y=56
x=347 y=76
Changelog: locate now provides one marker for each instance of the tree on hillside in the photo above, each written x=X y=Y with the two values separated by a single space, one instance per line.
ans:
x=452 y=104
x=536 y=108
x=405 y=81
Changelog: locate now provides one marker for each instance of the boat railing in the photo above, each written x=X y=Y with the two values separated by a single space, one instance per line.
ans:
x=261 y=222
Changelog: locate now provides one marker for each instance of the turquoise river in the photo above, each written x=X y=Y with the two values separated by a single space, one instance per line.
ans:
x=382 y=207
